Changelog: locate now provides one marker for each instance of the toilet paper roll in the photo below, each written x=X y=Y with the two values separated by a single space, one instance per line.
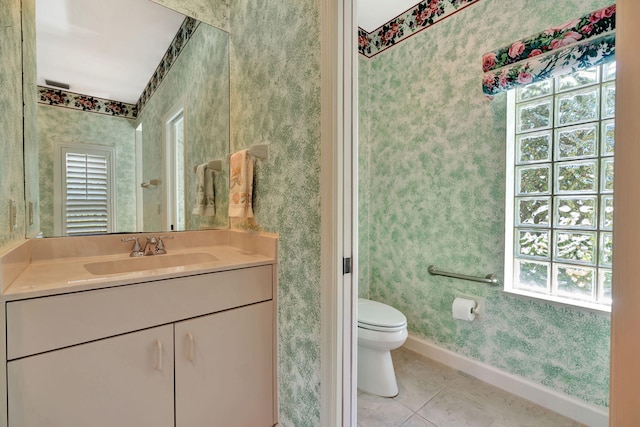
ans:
x=463 y=309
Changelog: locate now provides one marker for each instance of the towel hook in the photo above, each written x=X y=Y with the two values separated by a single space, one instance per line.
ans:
x=257 y=151
x=214 y=165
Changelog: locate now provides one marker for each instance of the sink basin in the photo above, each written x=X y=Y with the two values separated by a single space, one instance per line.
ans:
x=155 y=262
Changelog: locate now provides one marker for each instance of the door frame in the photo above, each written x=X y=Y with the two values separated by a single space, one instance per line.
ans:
x=339 y=293
x=139 y=179
x=339 y=212
x=168 y=163
x=625 y=319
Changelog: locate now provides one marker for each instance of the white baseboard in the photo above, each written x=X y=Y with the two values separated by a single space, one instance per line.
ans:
x=553 y=400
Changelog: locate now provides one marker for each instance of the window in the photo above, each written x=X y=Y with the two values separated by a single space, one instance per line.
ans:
x=85 y=190
x=559 y=232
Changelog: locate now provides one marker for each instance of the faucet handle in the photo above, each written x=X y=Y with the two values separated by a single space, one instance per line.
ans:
x=160 y=250
x=136 y=250
x=132 y=239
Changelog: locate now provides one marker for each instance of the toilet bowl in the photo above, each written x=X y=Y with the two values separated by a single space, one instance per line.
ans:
x=381 y=328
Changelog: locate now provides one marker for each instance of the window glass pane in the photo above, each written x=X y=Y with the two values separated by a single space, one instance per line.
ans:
x=609 y=71
x=534 y=147
x=577 y=177
x=608 y=137
x=608 y=100
x=86 y=189
x=533 y=211
x=578 y=79
x=605 y=277
x=533 y=179
x=607 y=175
x=534 y=90
x=533 y=243
x=574 y=282
x=532 y=275
x=606 y=249
x=534 y=116
x=576 y=107
x=575 y=246
x=575 y=212
x=577 y=141
x=562 y=176
x=606 y=207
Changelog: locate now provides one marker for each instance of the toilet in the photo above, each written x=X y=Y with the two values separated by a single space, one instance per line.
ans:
x=381 y=328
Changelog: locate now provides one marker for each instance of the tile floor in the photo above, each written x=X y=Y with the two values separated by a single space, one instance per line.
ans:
x=433 y=395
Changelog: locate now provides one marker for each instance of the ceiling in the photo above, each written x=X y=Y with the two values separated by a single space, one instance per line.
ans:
x=103 y=48
x=374 y=13
x=110 y=48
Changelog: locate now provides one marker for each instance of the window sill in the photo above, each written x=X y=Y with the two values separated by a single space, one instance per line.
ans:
x=562 y=302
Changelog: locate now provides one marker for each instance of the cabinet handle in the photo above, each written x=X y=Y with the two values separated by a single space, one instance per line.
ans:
x=159 y=365
x=190 y=355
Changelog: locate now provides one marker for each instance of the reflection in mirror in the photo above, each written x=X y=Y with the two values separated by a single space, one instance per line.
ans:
x=118 y=149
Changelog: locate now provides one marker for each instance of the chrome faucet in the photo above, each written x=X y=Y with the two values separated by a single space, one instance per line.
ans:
x=154 y=246
x=136 y=251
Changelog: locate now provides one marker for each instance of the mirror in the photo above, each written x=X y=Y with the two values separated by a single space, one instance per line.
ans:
x=128 y=166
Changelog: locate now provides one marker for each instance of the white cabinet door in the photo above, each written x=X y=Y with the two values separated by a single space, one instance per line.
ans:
x=121 y=381
x=224 y=369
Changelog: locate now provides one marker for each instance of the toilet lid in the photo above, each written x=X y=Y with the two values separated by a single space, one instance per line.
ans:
x=373 y=313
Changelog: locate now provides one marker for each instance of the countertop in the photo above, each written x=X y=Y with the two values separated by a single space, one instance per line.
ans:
x=64 y=275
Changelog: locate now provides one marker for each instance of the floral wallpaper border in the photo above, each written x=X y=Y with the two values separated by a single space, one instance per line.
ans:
x=76 y=101
x=179 y=42
x=578 y=44
x=578 y=57
x=421 y=16
x=66 y=99
x=586 y=27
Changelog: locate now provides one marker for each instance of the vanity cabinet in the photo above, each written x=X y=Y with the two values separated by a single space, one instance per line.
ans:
x=121 y=381
x=191 y=351
x=223 y=368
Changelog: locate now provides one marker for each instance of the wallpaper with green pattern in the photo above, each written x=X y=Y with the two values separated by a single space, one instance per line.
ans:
x=275 y=99
x=364 y=174
x=11 y=161
x=432 y=192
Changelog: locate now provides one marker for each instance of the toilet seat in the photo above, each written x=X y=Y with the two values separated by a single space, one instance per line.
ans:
x=377 y=316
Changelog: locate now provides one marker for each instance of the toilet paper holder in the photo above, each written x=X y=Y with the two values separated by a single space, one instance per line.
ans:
x=464 y=308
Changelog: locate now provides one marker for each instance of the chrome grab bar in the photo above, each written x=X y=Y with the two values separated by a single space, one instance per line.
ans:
x=491 y=279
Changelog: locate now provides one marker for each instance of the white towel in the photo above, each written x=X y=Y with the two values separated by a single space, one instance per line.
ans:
x=205 y=203
x=241 y=185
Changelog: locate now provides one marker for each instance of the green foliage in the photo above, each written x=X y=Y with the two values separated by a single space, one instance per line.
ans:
x=578 y=107
x=533 y=274
x=535 y=116
x=576 y=211
x=576 y=177
x=534 y=211
x=578 y=142
x=534 y=148
x=534 y=180
x=576 y=246
x=576 y=281
x=534 y=243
